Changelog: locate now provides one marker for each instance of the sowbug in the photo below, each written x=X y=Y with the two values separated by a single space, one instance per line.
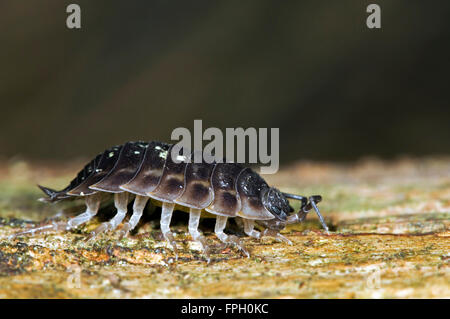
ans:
x=147 y=171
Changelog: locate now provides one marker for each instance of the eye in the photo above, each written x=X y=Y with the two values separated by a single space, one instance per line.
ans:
x=276 y=210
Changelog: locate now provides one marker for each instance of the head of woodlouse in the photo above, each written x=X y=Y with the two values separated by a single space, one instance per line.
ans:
x=277 y=204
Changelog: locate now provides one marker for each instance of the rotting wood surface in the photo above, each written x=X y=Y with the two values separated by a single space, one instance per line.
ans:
x=390 y=238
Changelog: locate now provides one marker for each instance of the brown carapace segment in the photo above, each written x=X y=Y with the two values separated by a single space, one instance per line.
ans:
x=198 y=192
x=223 y=182
x=150 y=170
x=171 y=184
x=128 y=162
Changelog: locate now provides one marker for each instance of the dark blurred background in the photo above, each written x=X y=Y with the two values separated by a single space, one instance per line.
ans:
x=138 y=69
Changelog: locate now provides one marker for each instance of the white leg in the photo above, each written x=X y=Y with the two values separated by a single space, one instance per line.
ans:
x=275 y=234
x=221 y=223
x=194 y=220
x=121 y=202
x=92 y=206
x=249 y=225
x=138 y=209
x=166 y=216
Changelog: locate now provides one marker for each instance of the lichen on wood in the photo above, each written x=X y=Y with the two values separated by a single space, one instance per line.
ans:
x=390 y=238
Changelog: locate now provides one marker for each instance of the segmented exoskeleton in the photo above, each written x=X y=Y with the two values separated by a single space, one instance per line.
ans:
x=147 y=171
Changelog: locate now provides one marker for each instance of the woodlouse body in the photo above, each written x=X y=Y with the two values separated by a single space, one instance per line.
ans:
x=147 y=171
